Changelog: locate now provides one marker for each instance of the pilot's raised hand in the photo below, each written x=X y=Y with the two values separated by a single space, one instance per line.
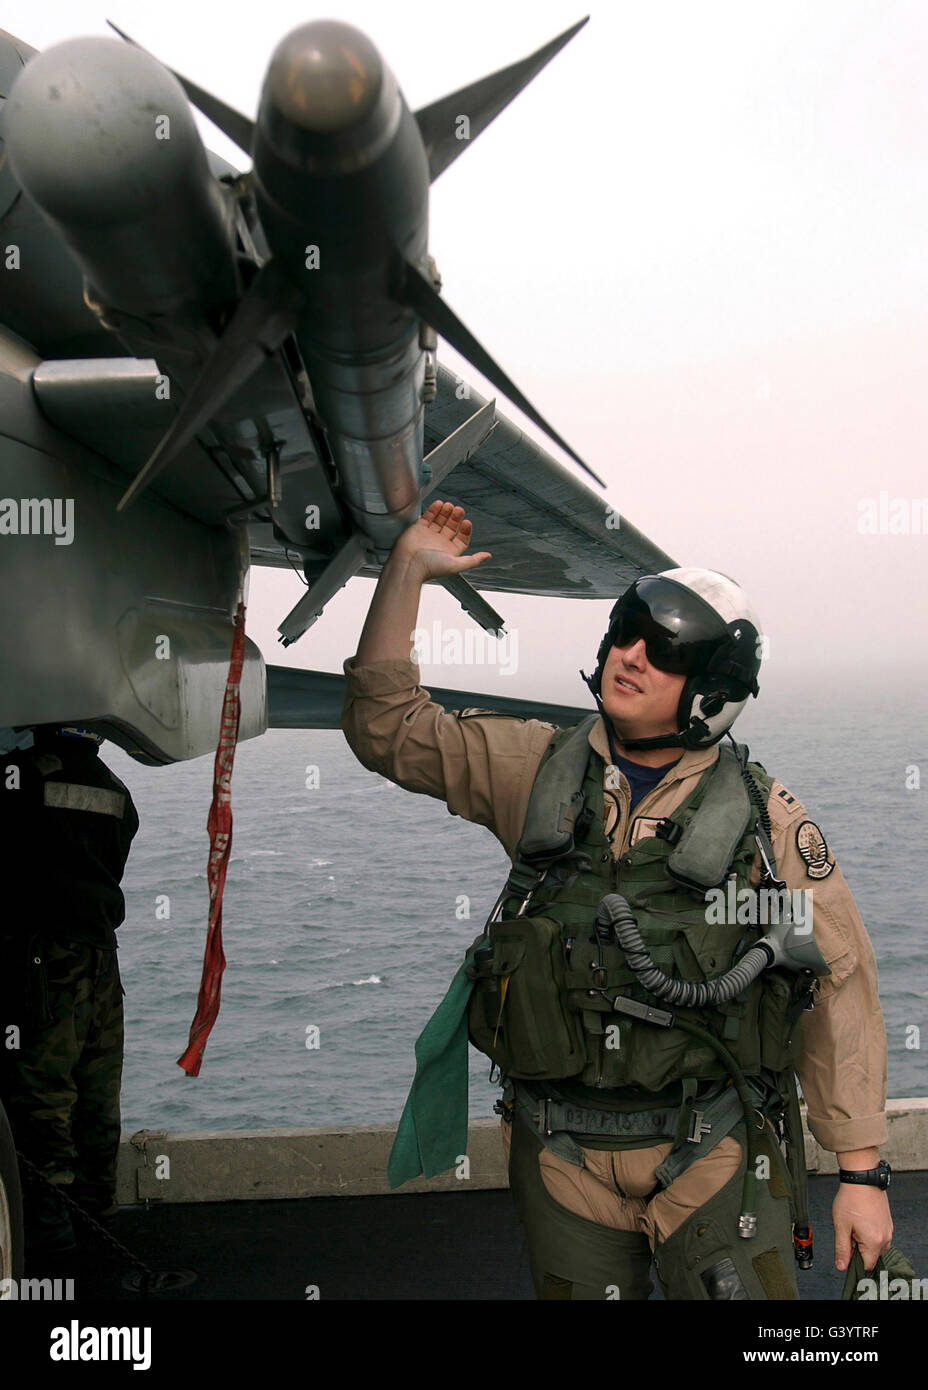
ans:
x=435 y=544
x=430 y=548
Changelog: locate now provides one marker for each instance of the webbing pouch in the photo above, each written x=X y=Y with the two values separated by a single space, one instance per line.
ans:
x=707 y=846
x=517 y=1013
x=555 y=803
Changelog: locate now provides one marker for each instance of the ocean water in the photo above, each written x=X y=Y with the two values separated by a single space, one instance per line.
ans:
x=346 y=911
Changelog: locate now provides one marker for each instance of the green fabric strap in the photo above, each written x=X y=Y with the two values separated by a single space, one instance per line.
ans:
x=892 y=1265
x=689 y=1086
x=432 y=1132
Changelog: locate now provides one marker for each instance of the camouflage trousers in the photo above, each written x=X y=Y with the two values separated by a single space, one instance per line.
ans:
x=62 y=1004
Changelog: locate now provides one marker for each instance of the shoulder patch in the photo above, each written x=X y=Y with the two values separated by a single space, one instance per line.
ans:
x=811 y=844
x=785 y=797
x=474 y=713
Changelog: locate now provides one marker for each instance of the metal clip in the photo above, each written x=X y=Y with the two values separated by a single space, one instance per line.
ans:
x=497 y=907
x=769 y=878
x=697 y=1128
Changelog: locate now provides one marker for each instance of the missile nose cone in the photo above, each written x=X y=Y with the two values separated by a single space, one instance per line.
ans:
x=325 y=76
x=96 y=127
x=330 y=105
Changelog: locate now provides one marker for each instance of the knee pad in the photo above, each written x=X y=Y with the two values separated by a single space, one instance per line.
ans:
x=707 y=1259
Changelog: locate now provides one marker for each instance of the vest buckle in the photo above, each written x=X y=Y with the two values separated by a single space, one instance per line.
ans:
x=697 y=1128
x=668 y=830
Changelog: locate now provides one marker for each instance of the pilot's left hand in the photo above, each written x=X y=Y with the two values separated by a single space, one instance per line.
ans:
x=861 y=1214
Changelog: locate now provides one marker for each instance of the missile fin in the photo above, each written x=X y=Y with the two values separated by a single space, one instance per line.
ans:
x=421 y=295
x=481 y=102
x=474 y=604
x=232 y=123
x=265 y=316
x=458 y=446
x=343 y=565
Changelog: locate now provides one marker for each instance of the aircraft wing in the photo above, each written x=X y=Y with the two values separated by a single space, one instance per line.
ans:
x=548 y=533
x=314 y=699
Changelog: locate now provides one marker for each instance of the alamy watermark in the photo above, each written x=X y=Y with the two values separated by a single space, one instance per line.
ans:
x=471 y=646
x=892 y=1289
x=36 y=1290
x=896 y=516
x=748 y=907
x=38 y=516
x=88 y=1343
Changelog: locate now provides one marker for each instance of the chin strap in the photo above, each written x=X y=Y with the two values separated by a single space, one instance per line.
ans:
x=691 y=739
x=698 y=735
x=665 y=741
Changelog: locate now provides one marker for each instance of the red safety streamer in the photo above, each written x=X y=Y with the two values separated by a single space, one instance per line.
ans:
x=219 y=825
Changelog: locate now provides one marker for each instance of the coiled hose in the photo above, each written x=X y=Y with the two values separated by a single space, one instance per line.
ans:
x=615 y=914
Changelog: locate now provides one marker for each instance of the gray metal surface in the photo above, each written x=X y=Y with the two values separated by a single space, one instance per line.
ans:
x=122 y=624
x=78 y=395
x=313 y=700
x=103 y=139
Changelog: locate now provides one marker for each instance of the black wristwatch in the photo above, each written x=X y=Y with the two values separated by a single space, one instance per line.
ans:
x=871 y=1177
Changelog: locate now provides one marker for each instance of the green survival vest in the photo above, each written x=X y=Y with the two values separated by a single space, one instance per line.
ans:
x=544 y=1001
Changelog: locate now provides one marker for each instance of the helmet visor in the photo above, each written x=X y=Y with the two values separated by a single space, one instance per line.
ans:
x=679 y=629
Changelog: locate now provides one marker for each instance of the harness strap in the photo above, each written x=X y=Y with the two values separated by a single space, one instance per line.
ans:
x=561 y=1124
x=796 y=1157
x=685 y=1120
x=555 y=812
x=552 y=1116
x=708 y=1127
x=557 y=1141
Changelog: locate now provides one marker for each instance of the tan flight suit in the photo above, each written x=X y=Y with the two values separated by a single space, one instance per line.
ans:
x=483 y=766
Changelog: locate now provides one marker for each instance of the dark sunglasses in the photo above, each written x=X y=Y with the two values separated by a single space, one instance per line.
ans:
x=680 y=631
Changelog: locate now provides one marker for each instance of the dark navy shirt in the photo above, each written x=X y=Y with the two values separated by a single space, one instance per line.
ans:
x=641 y=779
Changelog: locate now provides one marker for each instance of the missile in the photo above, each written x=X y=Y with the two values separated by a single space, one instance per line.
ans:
x=341 y=176
x=103 y=140
x=342 y=188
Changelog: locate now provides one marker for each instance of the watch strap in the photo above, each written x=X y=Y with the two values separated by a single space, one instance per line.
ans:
x=869 y=1177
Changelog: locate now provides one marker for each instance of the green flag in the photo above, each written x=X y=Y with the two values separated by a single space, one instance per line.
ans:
x=432 y=1133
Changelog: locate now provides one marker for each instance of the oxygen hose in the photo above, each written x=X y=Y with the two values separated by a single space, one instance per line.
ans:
x=615 y=913
x=747 y=1221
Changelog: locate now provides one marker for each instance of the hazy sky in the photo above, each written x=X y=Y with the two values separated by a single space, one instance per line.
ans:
x=698 y=242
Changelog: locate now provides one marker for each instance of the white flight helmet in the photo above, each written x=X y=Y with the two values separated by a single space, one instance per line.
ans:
x=700 y=624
